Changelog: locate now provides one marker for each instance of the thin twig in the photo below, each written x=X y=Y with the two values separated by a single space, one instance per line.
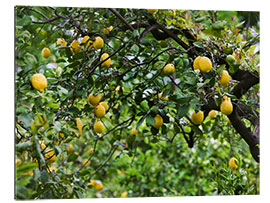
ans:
x=103 y=164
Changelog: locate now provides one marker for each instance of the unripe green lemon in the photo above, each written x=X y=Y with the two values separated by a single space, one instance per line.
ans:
x=230 y=59
x=100 y=111
x=197 y=118
x=99 y=127
x=158 y=121
x=45 y=52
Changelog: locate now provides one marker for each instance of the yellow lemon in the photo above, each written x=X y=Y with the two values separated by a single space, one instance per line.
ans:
x=61 y=41
x=99 y=127
x=158 y=121
x=42 y=145
x=92 y=182
x=232 y=163
x=79 y=125
x=205 y=64
x=39 y=82
x=169 y=69
x=197 y=118
x=107 y=29
x=60 y=136
x=162 y=98
x=45 y=52
x=85 y=162
x=98 y=43
x=105 y=105
x=152 y=10
x=74 y=46
x=99 y=111
x=90 y=151
x=94 y=99
x=133 y=132
x=98 y=185
x=224 y=78
x=86 y=39
x=226 y=106
x=50 y=157
x=70 y=148
x=117 y=89
x=124 y=194
x=212 y=113
x=196 y=63
x=106 y=63
x=52 y=168
x=31 y=173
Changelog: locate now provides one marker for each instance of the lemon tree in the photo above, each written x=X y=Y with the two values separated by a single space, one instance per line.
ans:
x=136 y=102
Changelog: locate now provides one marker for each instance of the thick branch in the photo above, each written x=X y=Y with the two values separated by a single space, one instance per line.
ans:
x=247 y=80
x=245 y=133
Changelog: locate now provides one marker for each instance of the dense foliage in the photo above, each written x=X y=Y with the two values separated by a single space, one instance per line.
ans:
x=178 y=158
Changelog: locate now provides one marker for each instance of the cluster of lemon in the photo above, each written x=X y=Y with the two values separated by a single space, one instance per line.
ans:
x=204 y=64
x=168 y=70
x=39 y=81
x=100 y=110
x=49 y=156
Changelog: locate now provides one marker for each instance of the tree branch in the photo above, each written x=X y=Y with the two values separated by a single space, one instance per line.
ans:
x=121 y=18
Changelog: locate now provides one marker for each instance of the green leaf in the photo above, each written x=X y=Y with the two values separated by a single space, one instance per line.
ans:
x=154 y=109
x=72 y=157
x=57 y=126
x=53 y=106
x=140 y=121
x=182 y=110
x=154 y=131
x=30 y=59
x=25 y=168
x=218 y=25
x=196 y=130
x=198 y=44
x=44 y=177
x=23 y=146
x=150 y=120
x=26 y=119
